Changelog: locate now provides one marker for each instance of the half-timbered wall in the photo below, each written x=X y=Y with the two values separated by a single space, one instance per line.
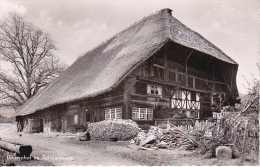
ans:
x=182 y=79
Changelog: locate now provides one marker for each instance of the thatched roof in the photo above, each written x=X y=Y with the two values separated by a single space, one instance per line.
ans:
x=103 y=68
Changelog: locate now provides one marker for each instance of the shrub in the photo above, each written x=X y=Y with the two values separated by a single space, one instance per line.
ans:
x=242 y=134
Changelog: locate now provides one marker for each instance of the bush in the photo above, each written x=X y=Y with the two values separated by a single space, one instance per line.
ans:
x=120 y=129
x=242 y=134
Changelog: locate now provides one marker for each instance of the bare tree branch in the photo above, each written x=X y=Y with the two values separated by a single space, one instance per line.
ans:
x=29 y=50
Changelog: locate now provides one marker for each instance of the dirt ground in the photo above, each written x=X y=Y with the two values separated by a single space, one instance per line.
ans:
x=66 y=149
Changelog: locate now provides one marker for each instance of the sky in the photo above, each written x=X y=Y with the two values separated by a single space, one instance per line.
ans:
x=77 y=26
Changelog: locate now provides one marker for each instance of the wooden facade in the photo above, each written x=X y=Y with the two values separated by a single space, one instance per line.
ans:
x=175 y=79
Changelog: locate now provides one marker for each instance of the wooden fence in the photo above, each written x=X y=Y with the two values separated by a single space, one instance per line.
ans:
x=188 y=125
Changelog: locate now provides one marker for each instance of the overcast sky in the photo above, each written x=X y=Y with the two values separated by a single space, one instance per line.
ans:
x=77 y=26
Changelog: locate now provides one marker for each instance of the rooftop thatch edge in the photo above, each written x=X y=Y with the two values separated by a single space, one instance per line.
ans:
x=104 y=67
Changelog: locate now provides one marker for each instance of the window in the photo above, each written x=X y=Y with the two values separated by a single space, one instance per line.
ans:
x=197 y=115
x=76 y=119
x=142 y=113
x=113 y=113
x=87 y=117
x=154 y=90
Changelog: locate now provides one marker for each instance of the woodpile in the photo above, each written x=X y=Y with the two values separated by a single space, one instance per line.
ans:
x=241 y=134
x=164 y=138
x=113 y=130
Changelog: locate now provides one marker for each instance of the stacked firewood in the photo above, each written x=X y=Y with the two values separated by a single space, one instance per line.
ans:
x=113 y=130
x=164 y=138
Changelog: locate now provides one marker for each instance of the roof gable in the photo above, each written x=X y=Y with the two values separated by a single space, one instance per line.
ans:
x=183 y=35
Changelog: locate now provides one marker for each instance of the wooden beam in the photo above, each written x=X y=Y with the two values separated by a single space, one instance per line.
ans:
x=112 y=103
x=206 y=83
x=186 y=64
x=166 y=72
x=151 y=67
x=231 y=79
x=209 y=61
x=128 y=84
x=225 y=80
x=194 y=82
x=175 y=84
x=149 y=103
x=156 y=65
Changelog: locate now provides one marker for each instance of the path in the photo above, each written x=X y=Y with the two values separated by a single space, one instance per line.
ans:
x=50 y=147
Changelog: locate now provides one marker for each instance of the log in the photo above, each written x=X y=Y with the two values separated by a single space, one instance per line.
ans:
x=144 y=148
x=185 y=135
x=147 y=140
x=23 y=150
x=135 y=147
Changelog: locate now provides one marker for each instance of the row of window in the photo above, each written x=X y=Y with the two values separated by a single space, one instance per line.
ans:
x=140 y=113
x=137 y=113
x=181 y=99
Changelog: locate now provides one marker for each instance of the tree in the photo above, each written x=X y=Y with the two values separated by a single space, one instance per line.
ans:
x=252 y=96
x=29 y=51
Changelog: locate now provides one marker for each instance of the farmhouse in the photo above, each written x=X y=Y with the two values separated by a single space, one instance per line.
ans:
x=152 y=70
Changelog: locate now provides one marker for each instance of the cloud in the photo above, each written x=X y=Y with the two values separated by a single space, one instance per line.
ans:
x=7 y=7
x=73 y=39
x=86 y=30
x=234 y=29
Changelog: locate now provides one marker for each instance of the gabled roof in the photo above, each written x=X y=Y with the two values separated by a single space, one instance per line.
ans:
x=103 y=68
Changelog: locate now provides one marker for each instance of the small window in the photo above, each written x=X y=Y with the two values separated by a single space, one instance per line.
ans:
x=154 y=90
x=197 y=115
x=193 y=96
x=87 y=117
x=113 y=113
x=76 y=119
x=197 y=96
